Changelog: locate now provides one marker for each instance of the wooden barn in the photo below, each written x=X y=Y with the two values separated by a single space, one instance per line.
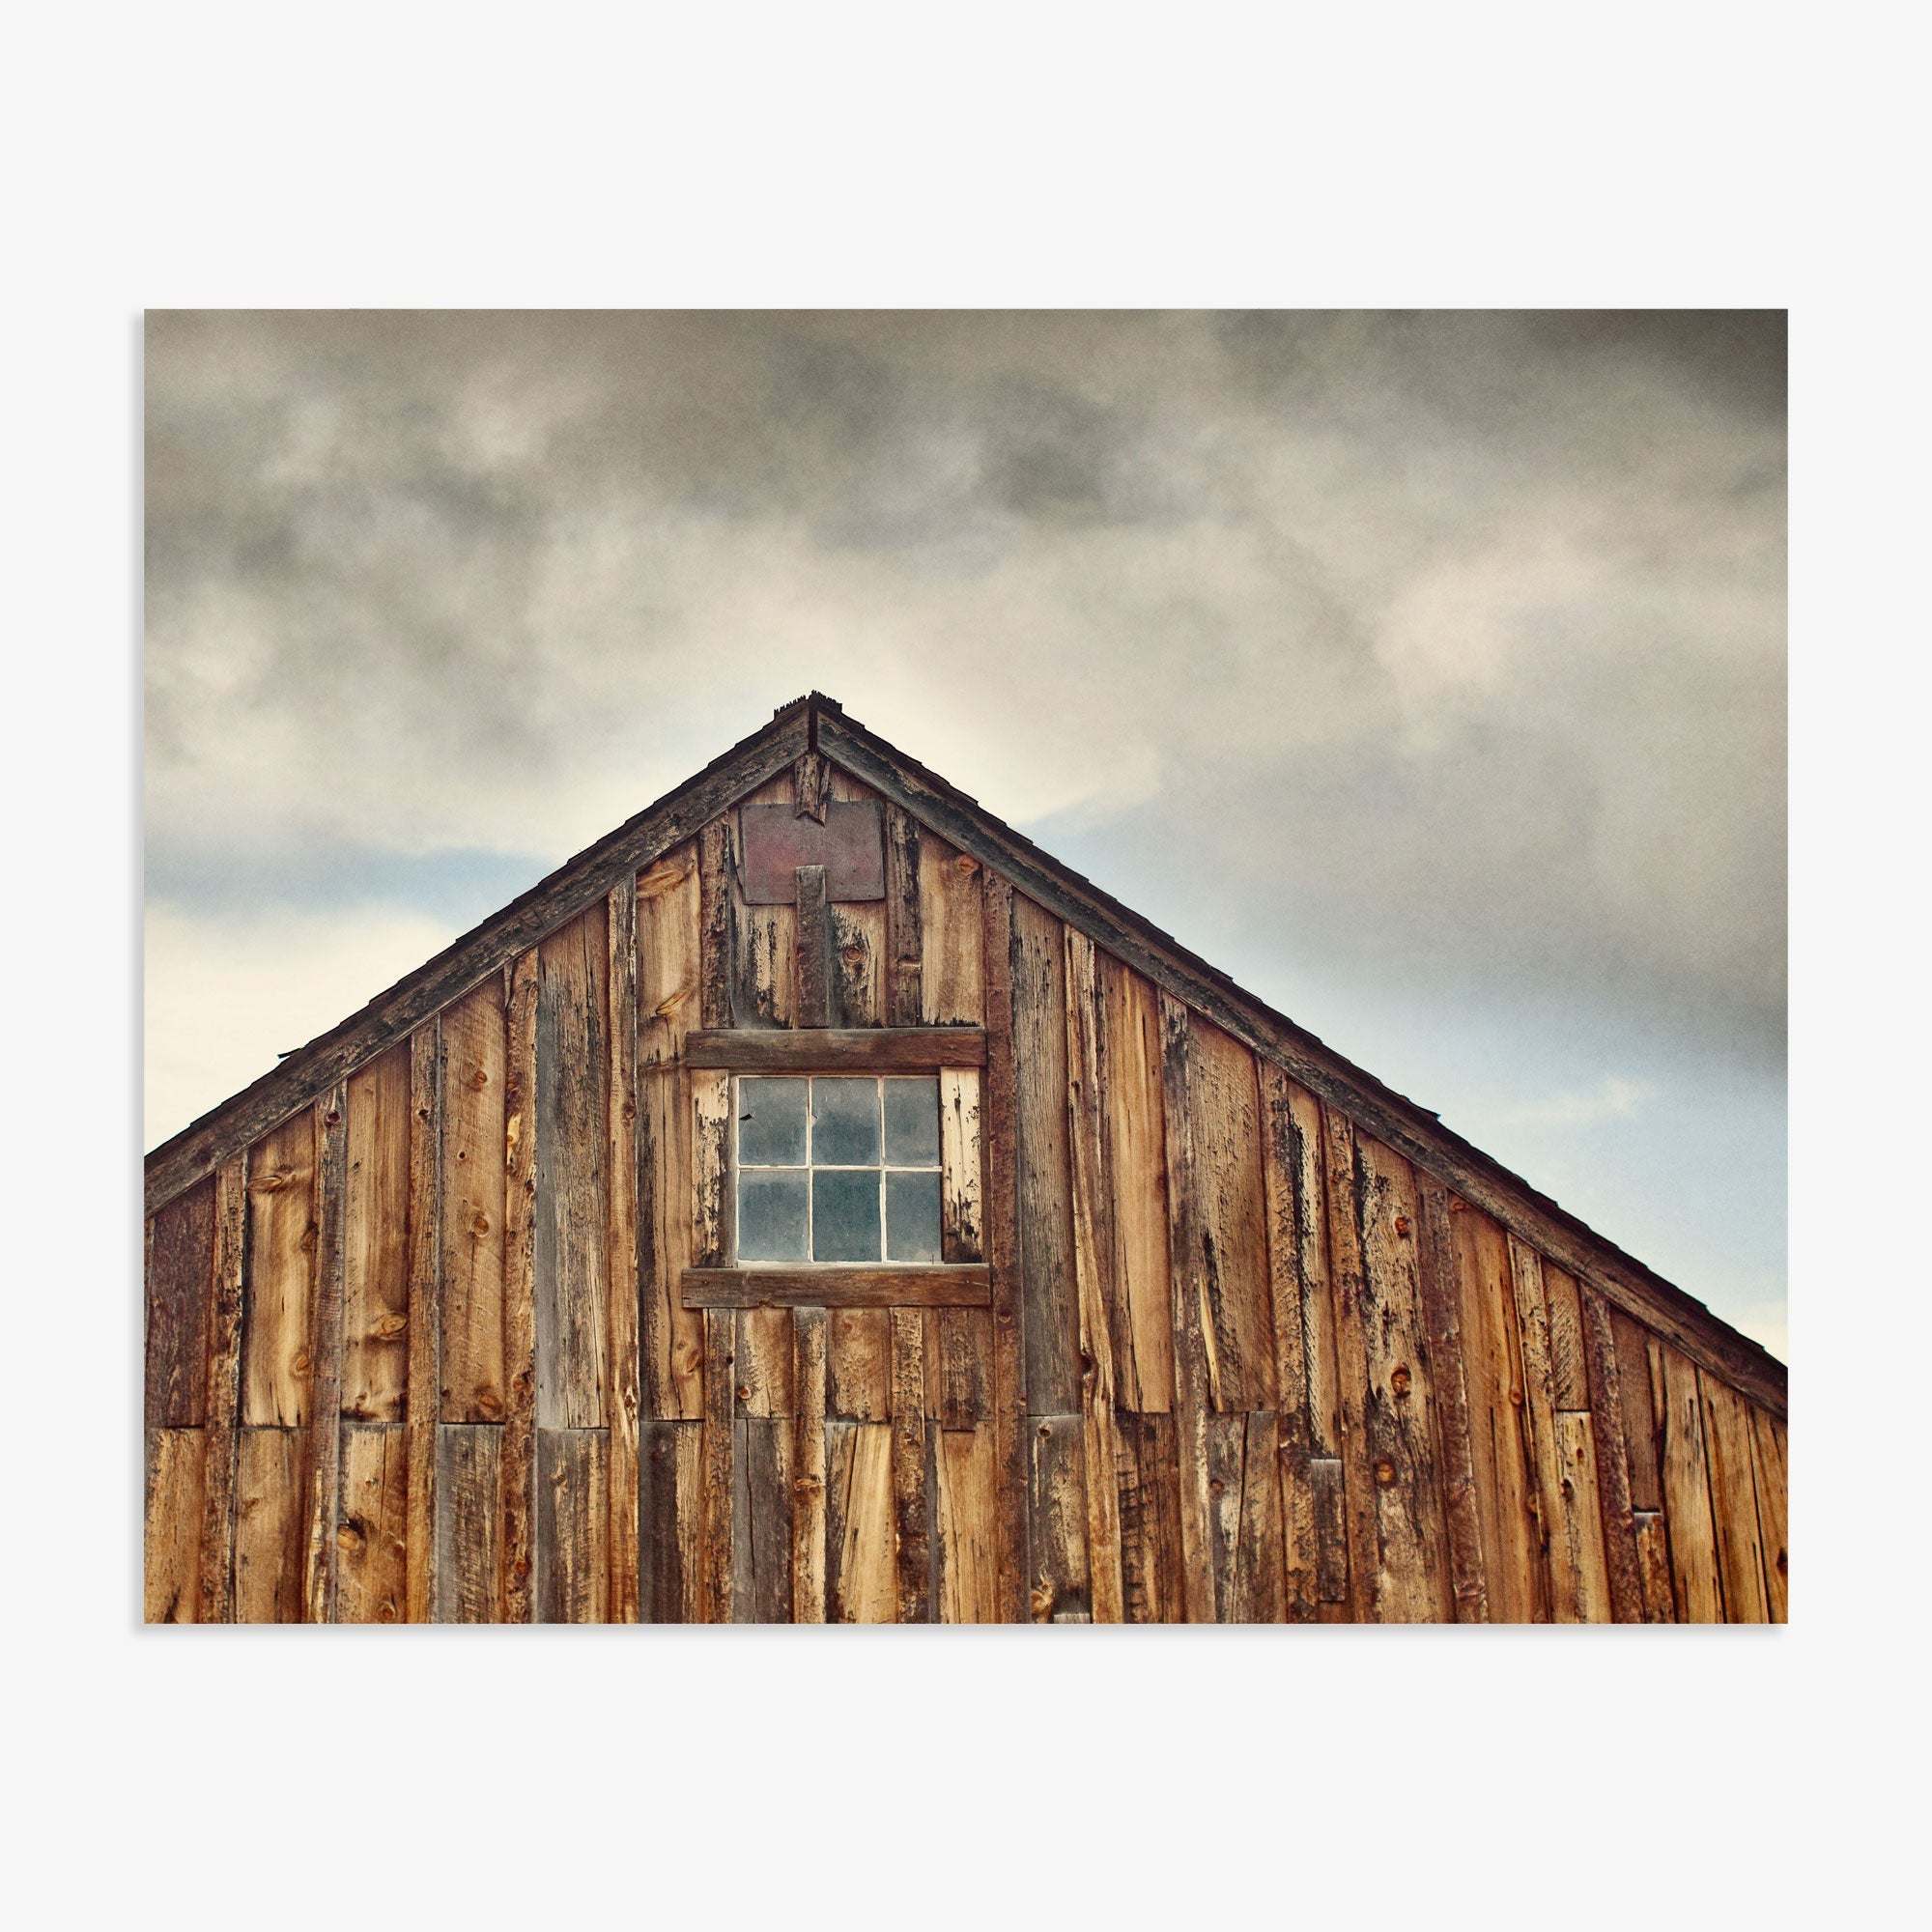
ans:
x=816 y=1203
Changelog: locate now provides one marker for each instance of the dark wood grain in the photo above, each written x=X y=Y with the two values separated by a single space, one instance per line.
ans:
x=572 y=1179
x=181 y=1269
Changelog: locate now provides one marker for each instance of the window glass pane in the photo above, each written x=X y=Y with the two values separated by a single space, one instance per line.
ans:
x=770 y=1215
x=771 y=1121
x=846 y=1123
x=845 y=1215
x=912 y=1121
x=911 y=1216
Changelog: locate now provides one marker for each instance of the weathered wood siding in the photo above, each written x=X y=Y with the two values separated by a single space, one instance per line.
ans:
x=420 y=1352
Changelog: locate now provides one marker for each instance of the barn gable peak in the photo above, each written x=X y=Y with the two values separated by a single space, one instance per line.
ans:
x=815 y=727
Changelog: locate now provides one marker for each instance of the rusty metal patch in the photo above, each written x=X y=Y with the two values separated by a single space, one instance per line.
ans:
x=850 y=845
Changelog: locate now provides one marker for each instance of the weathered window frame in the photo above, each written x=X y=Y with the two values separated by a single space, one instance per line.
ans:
x=716 y=1057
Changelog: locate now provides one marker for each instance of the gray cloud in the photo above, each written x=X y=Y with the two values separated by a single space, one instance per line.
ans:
x=1434 y=654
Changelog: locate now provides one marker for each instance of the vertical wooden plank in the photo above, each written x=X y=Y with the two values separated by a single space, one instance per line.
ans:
x=1569 y=1383
x=1303 y=1327
x=1329 y=1485
x=269 y=1525
x=1141 y=1305
x=951 y=971
x=224 y=1392
x=519 y=1287
x=858 y=1364
x=573 y=1526
x=1231 y=1221
x=960 y=1165
x=1641 y=1418
x=1435 y=1263
x=1349 y=1285
x=180 y=1265
x=763 y=1364
x=912 y=1511
x=423 y=1389
x=808 y=1468
x=718 y=944
x=1244 y=1495
x=861 y=1584
x=282 y=1237
x=1049 y=1295
x=1152 y=1571
x=861 y=937
x=470 y=1571
x=1604 y=1379
x=1000 y=1216
x=1094 y=1274
x=904 y=938
x=1513 y=1565
x=672 y=1482
x=573 y=1192
x=473 y=1207
x=715 y=1525
x=1260 y=1572
x=323 y=1447
x=858 y=964
x=764 y=985
x=1060 y=1590
x=1697 y=1593
x=1727 y=1443
x=624 y=1267
x=711 y=1169
x=812 y=967
x=966 y=1520
x=1192 y=1372
x=668 y=1005
x=1576 y=1537
x=810 y=786
x=1653 y=1561
x=764 y=1520
x=372 y=1538
x=376 y=1250
x=1388 y=1394
x=1769 y=1476
x=1571 y=1532
x=171 y=1543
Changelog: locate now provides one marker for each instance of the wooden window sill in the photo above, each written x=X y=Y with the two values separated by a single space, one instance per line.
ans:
x=837 y=1049
x=949 y=1285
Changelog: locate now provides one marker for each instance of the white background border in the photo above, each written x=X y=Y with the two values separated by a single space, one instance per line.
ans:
x=1496 y=157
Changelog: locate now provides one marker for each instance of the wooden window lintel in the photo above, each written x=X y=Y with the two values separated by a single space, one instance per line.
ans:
x=836 y=1049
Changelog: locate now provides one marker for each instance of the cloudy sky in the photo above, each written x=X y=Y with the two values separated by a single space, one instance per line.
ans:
x=1424 y=672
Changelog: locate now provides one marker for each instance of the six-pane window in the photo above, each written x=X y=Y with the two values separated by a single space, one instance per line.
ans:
x=839 y=1168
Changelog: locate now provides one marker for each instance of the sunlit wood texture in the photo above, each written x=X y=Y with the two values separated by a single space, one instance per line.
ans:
x=1220 y=1343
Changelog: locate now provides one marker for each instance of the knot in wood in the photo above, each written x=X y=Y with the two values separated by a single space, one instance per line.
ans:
x=1384 y=1471
x=1402 y=1225
x=1399 y=1380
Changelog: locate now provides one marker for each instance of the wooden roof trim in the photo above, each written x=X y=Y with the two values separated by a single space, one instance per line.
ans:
x=1412 y=1130
x=311 y=1070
